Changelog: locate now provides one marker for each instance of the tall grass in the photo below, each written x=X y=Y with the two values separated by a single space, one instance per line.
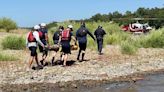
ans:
x=127 y=48
x=112 y=31
x=7 y=57
x=13 y=42
x=128 y=42
x=91 y=44
x=2 y=30
x=154 y=40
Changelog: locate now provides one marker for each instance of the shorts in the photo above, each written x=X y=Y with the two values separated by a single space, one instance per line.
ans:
x=42 y=50
x=33 y=50
x=66 y=49
x=83 y=46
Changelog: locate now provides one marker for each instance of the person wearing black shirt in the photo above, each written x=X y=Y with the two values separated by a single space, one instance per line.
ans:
x=56 y=38
x=81 y=36
x=99 y=33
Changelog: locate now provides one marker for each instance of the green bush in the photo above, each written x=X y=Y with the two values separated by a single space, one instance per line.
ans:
x=128 y=48
x=7 y=57
x=13 y=42
x=7 y=24
x=153 y=40
x=51 y=25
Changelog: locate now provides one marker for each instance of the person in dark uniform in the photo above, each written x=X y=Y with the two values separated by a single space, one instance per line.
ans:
x=99 y=33
x=44 y=40
x=56 y=41
x=81 y=36
x=65 y=38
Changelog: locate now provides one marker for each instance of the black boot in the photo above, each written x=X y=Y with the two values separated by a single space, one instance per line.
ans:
x=78 y=57
x=52 y=62
x=83 y=54
x=41 y=61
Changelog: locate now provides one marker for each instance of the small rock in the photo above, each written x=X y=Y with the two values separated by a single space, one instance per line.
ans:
x=74 y=85
x=61 y=84
x=32 y=78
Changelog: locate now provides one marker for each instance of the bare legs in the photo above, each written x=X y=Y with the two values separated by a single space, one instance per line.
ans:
x=64 y=58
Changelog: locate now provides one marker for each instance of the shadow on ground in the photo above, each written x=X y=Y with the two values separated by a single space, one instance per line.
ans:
x=58 y=62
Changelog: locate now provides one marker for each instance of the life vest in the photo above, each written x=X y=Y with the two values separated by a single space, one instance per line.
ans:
x=31 y=37
x=43 y=33
x=40 y=34
x=65 y=34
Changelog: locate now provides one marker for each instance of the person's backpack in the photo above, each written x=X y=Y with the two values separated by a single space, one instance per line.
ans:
x=82 y=32
x=99 y=34
x=65 y=35
x=31 y=38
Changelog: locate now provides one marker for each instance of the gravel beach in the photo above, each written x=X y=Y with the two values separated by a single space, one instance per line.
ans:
x=105 y=67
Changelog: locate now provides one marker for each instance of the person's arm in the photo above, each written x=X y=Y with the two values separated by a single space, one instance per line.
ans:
x=27 y=39
x=91 y=35
x=36 y=35
x=95 y=33
x=77 y=33
x=104 y=32
x=73 y=38
x=53 y=37
x=46 y=37
x=59 y=41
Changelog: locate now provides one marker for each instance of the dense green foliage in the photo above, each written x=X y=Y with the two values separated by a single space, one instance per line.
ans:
x=7 y=24
x=13 y=42
x=52 y=24
x=139 y=13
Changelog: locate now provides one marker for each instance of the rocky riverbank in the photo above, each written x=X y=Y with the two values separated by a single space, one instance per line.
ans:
x=110 y=66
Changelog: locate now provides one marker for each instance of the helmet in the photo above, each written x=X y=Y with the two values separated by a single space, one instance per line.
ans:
x=43 y=24
x=36 y=27
x=70 y=26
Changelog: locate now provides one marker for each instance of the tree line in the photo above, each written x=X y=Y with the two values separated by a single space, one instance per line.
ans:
x=153 y=16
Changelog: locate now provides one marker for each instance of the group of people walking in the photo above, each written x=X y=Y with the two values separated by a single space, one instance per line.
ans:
x=38 y=37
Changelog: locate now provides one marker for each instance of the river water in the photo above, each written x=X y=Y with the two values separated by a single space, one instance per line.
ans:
x=150 y=83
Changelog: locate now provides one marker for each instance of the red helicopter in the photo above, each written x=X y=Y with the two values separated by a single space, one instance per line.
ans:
x=136 y=27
